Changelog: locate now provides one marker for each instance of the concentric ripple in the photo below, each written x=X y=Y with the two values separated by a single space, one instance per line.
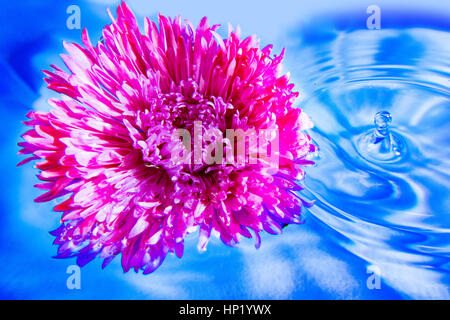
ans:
x=386 y=205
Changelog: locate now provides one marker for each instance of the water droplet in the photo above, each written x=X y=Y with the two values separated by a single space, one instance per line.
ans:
x=380 y=144
x=382 y=122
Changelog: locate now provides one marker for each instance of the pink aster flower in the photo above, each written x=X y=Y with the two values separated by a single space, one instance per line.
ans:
x=107 y=146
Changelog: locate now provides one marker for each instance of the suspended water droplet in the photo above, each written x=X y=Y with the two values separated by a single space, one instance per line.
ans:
x=380 y=144
x=382 y=122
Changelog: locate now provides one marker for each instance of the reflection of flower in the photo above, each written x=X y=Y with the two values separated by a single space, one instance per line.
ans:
x=107 y=145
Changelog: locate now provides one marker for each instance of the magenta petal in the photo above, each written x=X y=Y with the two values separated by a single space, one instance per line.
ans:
x=122 y=144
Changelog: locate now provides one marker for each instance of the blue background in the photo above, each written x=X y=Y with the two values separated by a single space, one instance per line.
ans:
x=303 y=263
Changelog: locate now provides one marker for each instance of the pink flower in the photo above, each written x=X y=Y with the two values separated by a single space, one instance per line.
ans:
x=108 y=144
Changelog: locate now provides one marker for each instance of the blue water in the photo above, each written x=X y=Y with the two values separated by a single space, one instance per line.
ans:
x=379 y=210
x=389 y=208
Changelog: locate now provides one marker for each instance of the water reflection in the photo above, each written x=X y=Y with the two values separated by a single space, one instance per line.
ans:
x=384 y=189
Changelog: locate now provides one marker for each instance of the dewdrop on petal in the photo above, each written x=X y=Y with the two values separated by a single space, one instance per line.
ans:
x=108 y=143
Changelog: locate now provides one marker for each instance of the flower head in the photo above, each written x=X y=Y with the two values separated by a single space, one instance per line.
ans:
x=111 y=146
